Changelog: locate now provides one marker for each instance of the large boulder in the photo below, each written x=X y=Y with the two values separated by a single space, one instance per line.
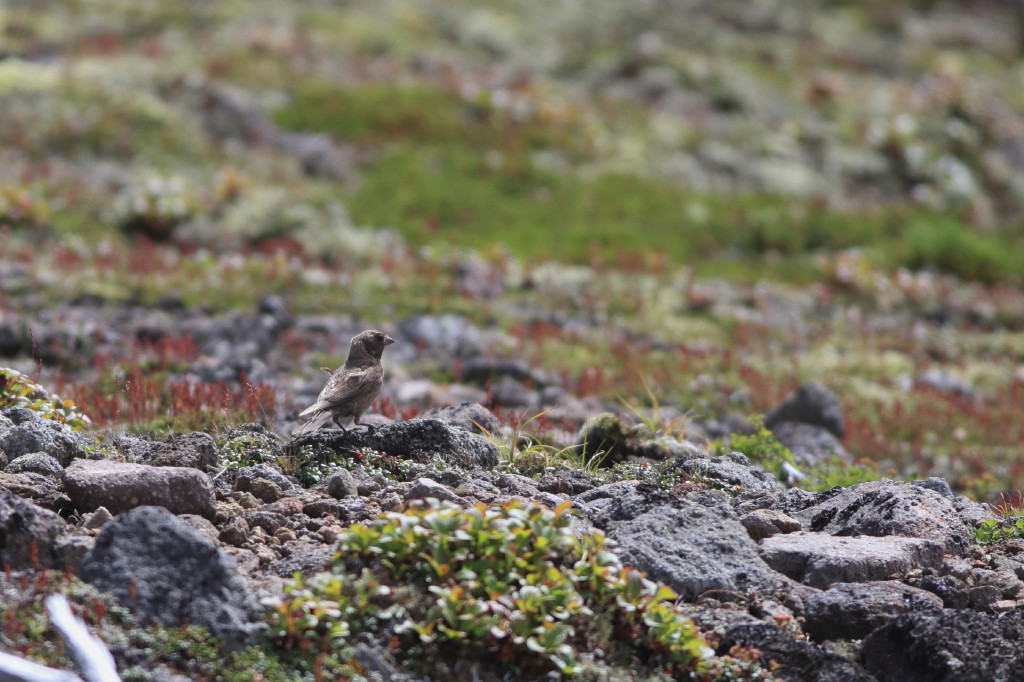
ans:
x=416 y=439
x=119 y=486
x=883 y=508
x=690 y=546
x=168 y=573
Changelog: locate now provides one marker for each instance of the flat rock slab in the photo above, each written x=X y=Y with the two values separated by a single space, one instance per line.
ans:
x=853 y=610
x=822 y=560
x=885 y=508
x=119 y=486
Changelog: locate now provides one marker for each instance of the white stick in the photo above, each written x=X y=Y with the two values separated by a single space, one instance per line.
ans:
x=92 y=657
x=14 y=669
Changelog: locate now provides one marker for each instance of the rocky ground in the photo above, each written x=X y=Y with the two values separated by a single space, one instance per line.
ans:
x=882 y=580
x=774 y=359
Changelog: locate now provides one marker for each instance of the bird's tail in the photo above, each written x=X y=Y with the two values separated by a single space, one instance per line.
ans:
x=317 y=420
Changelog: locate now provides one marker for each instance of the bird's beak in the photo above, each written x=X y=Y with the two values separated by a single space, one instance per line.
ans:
x=388 y=340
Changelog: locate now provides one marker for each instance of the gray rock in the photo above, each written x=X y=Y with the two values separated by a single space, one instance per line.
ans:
x=120 y=486
x=763 y=523
x=341 y=484
x=482 y=370
x=416 y=439
x=267 y=520
x=733 y=469
x=96 y=519
x=197 y=450
x=508 y=392
x=809 y=444
x=29 y=534
x=945 y=382
x=234 y=532
x=822 y=560
x=167 y=573
x=308 y=563
x=812 y=404
x=201 y=526
x=853 y=610
x=690 y=547
x=949 y=646
x=441 y=336
x=473 y=417
x=517 y=484
x=883 y=508
x=564 y=482
x=32 y=433
x=37 y=463
x=41 y=490
x=797 y=660
x=245 y=477
x=425 y=488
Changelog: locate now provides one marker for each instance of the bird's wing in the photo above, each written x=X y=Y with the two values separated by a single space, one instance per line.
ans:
x=343 y=386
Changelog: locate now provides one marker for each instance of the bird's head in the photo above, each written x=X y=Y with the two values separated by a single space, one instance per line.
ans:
x=372 y=342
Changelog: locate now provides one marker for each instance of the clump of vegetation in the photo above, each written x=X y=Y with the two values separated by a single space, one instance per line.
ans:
x=17 y=390
x=246 y=448
x=833 y=472
x=509 y=589
x=761 y=446
x=311 y=465
x=990 y=530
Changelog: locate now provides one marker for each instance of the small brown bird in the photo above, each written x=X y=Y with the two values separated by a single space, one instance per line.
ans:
x=353 y=386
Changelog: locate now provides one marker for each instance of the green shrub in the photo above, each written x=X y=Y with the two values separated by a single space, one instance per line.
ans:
x=762 y=447
x=956 y=248
x=509 y=587
x=17 y=390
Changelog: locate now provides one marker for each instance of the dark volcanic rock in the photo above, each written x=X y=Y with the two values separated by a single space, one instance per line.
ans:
x=41 y=490
x=196 y=450
x=32 y=433
x=416 y=439
x=119 y=486
x=691 y=547
x=36 y=463
x=853 y=610
x=949 y=646
x=28 y=534
x=811 y=404
x=821 y=560
x=734 y=469
x=883 y=508
x=167 y=573
x=798 y=660
x=473 y=417
x=245 y=477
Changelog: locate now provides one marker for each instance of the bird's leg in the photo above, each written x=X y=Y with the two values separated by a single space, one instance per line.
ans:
x=369 y=427
x=337 y=421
